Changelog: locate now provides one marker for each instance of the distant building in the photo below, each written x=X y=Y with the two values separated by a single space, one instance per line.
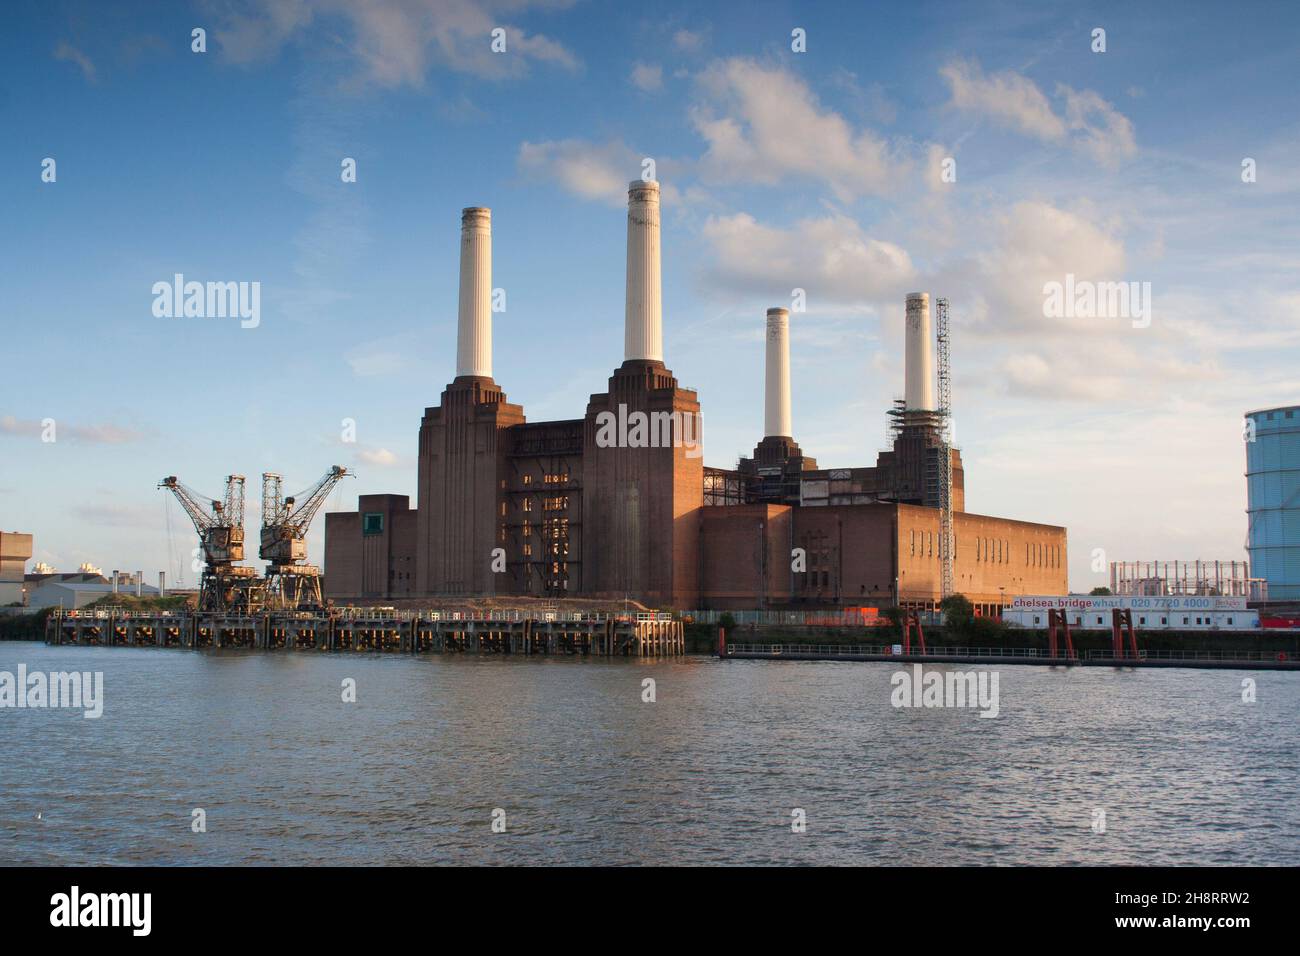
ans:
x=1093 y=612
x=1155 y=578
x=36 y=579
x=1273 y=499
x=73 y=595
x=15 y=551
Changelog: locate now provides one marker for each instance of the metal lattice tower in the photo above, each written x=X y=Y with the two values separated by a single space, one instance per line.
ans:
x=290 y=582
x=224 y=585
x=945 y=450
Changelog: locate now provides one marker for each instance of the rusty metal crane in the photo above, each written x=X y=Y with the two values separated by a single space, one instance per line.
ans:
x=291 y=582
x=224 y=586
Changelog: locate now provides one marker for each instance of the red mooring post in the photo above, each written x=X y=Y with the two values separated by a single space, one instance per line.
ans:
x=911 y=618
x=1058 y=620
x=1132 y=636
x=1116 y=641
x=722 y=642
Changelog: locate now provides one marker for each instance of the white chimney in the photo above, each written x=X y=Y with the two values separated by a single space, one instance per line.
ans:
x=918 y=375
x=776 y=409
x=115 y=582
x=139 y=584
x=643 y=331
x=474 y=333
x=162 y=583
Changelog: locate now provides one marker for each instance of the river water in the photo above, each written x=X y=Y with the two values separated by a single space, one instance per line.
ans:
x=585 y=771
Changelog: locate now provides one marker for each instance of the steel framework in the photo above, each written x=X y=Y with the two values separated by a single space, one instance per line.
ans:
x=291 y=583
x=223 y=586
x=942 y=334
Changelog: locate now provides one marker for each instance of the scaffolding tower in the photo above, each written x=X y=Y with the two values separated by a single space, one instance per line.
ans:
x=945 y=450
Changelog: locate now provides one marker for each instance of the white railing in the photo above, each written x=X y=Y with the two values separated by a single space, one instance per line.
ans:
x=894 y=650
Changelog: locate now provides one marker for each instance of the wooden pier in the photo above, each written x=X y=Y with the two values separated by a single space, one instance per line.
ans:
x=412 y=632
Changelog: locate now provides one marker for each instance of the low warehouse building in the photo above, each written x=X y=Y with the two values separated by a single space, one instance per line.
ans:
x=1155 y=613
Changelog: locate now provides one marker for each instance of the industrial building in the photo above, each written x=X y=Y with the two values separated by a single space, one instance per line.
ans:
x=1155 y=578
x=1167 y=613
x=73 y=590
x=15 y=552
x=73 y=595
x=618 y=503
x=1273 y=499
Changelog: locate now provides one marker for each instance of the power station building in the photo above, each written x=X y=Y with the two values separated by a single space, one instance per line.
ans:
x=619 y=504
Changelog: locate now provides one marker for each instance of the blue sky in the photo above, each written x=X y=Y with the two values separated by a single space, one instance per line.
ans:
x=818 y=170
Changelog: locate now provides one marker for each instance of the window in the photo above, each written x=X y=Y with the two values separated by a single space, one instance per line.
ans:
x=372 y=522
x=1184 y=620
x=528 y=479
x=1230 y=619
x=1164 y=620
x=1142 y=620
x=1098 y=620
x=1037 y=619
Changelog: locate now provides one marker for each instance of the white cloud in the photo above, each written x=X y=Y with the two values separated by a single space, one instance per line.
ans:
x=1009 y=98
x=1107 y=370
x=100 y=434
x=1036 y=243
x=1104 y=132
x=1087 y=121
x=380 y=457
x=763 y=125
x=69 y=53
x=689 y=41
x=395 y=41
x=831 y=258
x=591 y=171
x=648 y=77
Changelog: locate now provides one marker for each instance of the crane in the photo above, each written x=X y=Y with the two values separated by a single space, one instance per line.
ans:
x=291 y=582
x=224 y=586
